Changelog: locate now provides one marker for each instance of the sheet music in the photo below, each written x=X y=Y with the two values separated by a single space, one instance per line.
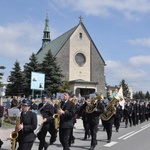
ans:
x=14 y=112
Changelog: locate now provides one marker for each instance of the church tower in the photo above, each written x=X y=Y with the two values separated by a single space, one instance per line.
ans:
x=46 y=33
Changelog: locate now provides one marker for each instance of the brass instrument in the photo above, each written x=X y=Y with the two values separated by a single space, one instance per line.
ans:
x=93 y=104
x=14 y=135
x=56 y=116
x=110 y=110
x=73 y=100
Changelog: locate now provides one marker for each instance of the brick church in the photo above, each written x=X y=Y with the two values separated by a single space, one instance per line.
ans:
x=80 y=60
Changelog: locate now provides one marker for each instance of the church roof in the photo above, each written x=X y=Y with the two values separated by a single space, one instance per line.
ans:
x=55 y=45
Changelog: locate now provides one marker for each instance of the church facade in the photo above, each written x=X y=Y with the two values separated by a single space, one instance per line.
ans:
x=80 y=61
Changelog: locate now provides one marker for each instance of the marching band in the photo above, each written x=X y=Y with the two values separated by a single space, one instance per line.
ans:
x=59 y=118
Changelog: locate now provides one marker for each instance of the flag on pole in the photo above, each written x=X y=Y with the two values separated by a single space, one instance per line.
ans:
x=120 y=97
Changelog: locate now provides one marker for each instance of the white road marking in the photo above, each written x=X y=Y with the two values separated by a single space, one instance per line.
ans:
x=110 y=144
x=145 y=125
x=126 y=135
x=136 y=132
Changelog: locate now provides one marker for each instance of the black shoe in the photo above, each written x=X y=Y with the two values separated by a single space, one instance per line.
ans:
x=46 y=146
x=108 y=141
x=92 y=148
x=85 y=138
x=117 y=130
x=72 y=142
x=1 y=143
x=51 y=143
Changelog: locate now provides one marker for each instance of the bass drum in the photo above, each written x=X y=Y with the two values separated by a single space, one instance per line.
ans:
x=39 y=124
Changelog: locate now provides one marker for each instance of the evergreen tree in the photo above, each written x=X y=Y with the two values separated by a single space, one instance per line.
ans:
x=65 y=85
x=147 y=95
x=141 y=95
x=125 y=88
x=53 y=76
x=28 y=68
x=1 y=74
x=15 y=85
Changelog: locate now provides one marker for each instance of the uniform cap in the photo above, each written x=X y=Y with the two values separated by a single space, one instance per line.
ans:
x=68 y=91
x=26 y=102
x=44 y=96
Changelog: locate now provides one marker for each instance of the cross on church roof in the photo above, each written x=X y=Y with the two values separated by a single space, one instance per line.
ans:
x=80 y=18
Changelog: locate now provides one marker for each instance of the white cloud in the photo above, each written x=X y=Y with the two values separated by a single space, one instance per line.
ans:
x=19 y=39
x=124 y=70
x=134 y=76
x=143 y=42
x=129 y=8
x=140 y=60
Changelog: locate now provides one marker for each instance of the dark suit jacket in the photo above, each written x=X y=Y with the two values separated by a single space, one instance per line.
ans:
x=29 y=121
x=66 y=120
x=93 y=118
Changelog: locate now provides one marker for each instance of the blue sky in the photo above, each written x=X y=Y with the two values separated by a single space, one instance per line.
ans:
x=120 y=30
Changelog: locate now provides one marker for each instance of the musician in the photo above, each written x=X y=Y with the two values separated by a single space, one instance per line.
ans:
x=28 y=123
x=71 y=137
x=137 y=112
x=66 y=112
x=128 y=113
x=52 y=130
x=141 y=111
x=47 y=111
x=93 y=120
x=117 y=116
x=84 y=118
x=134 y=112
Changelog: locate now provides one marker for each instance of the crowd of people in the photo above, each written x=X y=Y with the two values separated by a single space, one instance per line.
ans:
x=66 y=111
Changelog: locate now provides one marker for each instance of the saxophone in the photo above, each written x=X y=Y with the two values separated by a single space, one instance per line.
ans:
x=56 y=116
x=110 y=110
x=14 y=135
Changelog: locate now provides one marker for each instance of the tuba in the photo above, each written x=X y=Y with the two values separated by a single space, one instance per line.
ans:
x=14 y=135
x=110 y=110
x=93 y=104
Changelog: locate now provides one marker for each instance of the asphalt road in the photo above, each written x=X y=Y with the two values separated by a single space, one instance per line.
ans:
x=135 y=138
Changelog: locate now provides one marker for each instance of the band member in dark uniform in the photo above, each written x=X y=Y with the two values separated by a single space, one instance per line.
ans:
x=141 y=111
x=28 y=123
x=137 y=112
x=84 y=118
x=108 y=127
x=93 y=119
x=117 y=116
x=128 y=113
x=71 y=137
x=67 y=112
x=52 y=129
x=47 y=111
x=134 y=112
